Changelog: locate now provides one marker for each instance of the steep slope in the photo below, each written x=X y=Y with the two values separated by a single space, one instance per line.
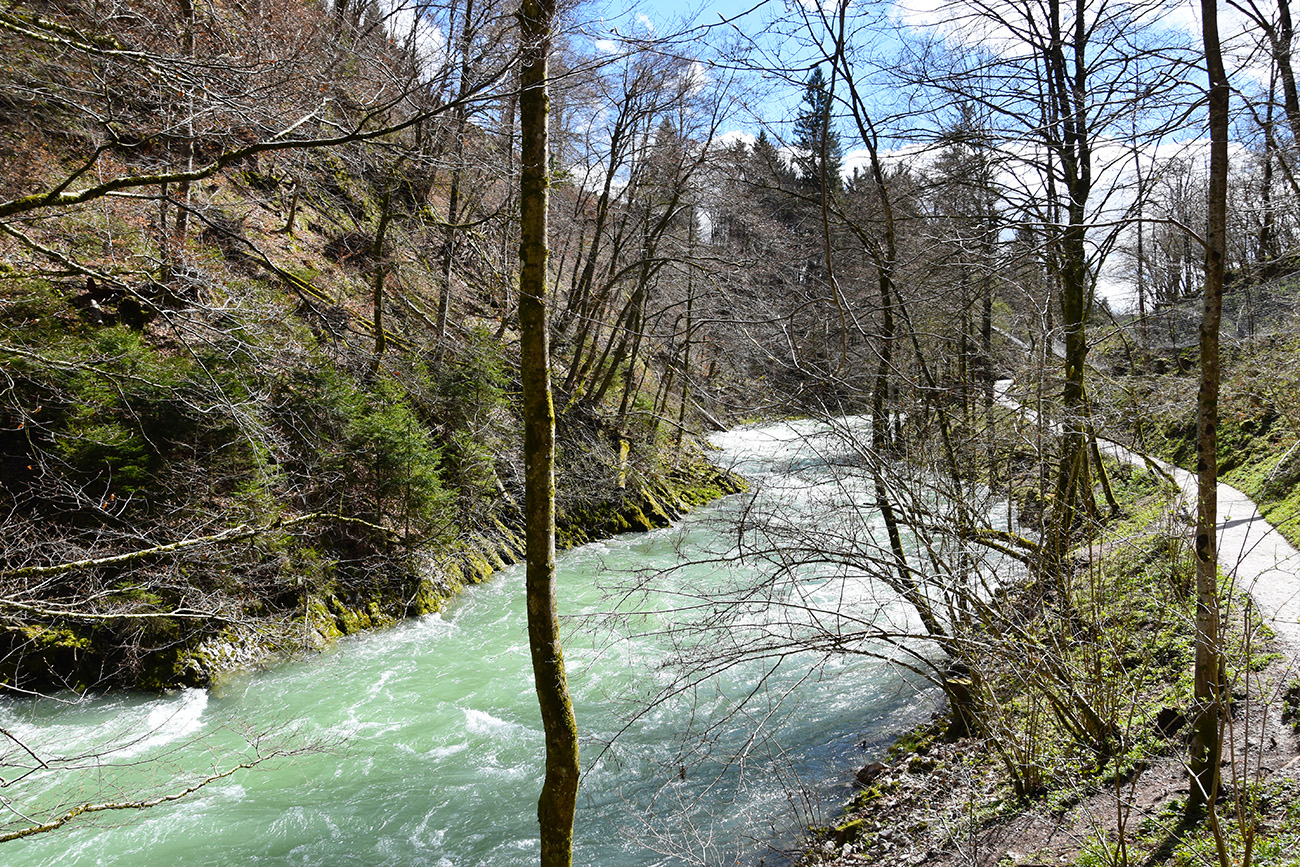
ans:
x=247 y=412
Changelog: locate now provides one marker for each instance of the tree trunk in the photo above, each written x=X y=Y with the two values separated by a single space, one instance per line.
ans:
x=1068 y=135
x=181 y=227
x=558 y=801
x=508 y=147
x=1282 y=55
x=453 y=196
x=1207 y=724
x=686 y=361
x=381 y=270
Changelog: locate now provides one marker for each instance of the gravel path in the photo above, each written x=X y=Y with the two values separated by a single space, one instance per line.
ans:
x=1251 y=550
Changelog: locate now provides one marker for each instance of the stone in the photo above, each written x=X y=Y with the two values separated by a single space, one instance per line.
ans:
x=867 y=775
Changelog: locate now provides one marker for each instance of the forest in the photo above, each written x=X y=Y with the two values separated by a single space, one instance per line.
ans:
x=313 y=315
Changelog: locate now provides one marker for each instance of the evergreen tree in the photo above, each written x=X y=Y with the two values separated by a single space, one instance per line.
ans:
x=770 y=179
x=818 y=155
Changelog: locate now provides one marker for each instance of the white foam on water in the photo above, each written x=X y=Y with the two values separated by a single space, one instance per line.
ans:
x=481 y=722
x=168 y=721
x=445 y=751
x=379 y=685
x=427 y=834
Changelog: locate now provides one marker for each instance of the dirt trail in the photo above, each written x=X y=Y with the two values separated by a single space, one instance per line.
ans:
x=925 y=814
x=1251 y=550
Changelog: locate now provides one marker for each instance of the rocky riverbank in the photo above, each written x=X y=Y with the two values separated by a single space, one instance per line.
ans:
x=1025 y=790
x=172 y=652
x=934 y=802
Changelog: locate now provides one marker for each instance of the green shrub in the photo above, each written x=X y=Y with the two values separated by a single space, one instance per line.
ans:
x=388 y=449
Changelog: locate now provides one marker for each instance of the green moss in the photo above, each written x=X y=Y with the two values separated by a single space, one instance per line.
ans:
x=849 y=832
x=349 y=620
x=917 y=741
x=642 y=507
x=322 y=620
x=871 y=793
x=477 y=567
x=44 y=637
x=427 y=600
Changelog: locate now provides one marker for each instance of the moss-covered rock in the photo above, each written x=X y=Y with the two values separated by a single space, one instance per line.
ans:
x=317 y=604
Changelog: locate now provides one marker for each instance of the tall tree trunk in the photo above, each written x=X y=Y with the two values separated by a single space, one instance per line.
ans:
x=589 y=329
x=1069 y=137
x=381 y=270
x=171 y=238
x=293 y=203
x=453 y=195
x=509 y=101
x=1141 y=261
x=986 y=350
x=181 y=227
x=1207 y=725
x=602 y=376
x=884 y=257
x=558 y=801
x=686 y=358
x=1282 y=38
x=1266 y=244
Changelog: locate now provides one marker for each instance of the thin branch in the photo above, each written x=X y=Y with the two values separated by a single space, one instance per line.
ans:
x=86 y=809
x=232 y=534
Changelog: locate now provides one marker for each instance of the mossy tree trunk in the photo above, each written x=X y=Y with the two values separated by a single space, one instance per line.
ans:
x=1068 y=137
x=556 y=806
x=1207 y=724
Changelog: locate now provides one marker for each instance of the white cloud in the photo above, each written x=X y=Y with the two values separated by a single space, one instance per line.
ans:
x=409 y=21
x=696 y=77
x=729 y=138
x=913 y=157
x=1002 y=27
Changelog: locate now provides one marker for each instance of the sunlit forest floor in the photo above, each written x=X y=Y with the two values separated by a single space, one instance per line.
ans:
x=948 y=804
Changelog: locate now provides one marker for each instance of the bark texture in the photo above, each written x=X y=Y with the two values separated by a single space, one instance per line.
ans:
x=1207 y=725
x=556 y=806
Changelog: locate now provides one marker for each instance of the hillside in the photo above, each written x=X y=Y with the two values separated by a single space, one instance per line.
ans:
x=246 y=413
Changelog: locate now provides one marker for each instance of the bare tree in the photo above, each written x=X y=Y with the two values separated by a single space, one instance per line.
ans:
x=1207 y=725
x=556 y=806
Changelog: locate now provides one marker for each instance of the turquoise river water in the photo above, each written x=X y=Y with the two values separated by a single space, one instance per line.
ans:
x=424 y=744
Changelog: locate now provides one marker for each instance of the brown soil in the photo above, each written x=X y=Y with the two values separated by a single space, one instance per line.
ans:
x=948 y=804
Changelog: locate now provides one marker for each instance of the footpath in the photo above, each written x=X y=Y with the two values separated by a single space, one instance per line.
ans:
x=1251 y=551
x=935 y=806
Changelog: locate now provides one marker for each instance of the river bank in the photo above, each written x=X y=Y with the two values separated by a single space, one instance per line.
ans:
x=75 y=655
x=648 y=504
x=934 y=801
x=431 y=733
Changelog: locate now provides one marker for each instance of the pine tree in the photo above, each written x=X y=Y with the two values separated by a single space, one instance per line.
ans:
x=770 y=180
x=818 y=155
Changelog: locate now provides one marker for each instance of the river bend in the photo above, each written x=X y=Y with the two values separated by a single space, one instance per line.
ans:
x=431 y=743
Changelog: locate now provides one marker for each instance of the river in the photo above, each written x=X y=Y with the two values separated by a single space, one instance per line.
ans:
x=425 y=743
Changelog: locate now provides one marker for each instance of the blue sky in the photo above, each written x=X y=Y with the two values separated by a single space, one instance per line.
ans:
x=706 y=27
x=884 y=24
